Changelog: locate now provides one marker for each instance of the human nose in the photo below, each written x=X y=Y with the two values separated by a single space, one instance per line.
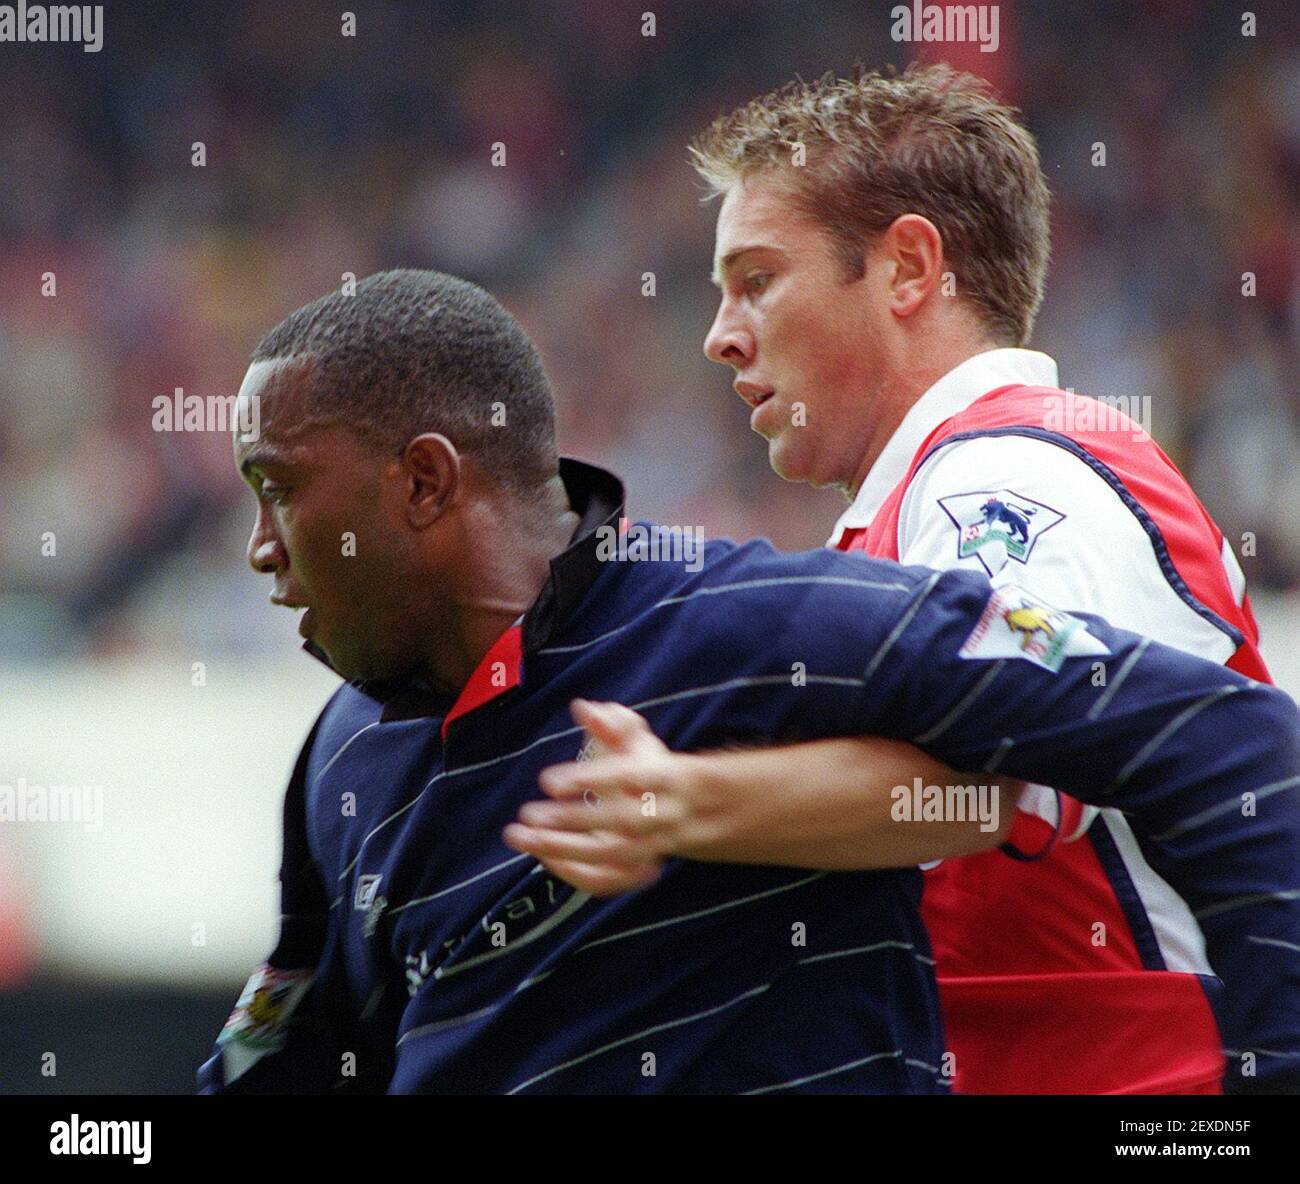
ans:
x=729 y=341
x=266 y=554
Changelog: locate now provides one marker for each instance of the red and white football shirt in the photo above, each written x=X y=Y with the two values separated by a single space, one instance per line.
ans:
x=1081 y=970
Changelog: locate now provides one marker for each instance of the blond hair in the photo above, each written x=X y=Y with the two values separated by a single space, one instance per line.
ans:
x=930 y=141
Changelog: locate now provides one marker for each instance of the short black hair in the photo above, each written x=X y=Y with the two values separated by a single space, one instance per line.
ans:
x=411 y=351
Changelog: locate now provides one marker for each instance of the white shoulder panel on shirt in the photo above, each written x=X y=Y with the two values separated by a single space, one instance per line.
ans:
x=1236 y=577
x=1028 y=512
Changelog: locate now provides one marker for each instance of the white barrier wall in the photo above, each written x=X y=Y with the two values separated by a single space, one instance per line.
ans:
x=177 y=880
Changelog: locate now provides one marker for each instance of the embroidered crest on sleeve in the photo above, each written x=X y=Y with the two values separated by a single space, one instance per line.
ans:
x=1015 y=624
x=259 y=1023
x=996 y=525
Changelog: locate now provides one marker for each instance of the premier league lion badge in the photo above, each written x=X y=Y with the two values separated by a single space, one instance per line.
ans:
x=995 y=525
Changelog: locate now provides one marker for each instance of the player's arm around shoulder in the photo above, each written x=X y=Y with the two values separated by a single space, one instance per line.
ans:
x=827 y=804
x=831 y=805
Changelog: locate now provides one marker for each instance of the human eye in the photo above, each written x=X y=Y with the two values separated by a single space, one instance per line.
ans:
x=275 y=494
x=756 y=281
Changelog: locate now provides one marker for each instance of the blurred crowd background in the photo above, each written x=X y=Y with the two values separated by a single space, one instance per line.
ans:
x=328 y=155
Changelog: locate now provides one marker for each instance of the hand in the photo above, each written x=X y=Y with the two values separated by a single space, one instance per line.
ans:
x=613 y=819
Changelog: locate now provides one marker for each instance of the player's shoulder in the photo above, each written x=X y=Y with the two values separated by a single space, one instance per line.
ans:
x=1098 y=466
x=1043 y=459
x=845 y=610
x=1020 y=485
x=1031 y=480
x=1080 y=530
x=821 y=599
x=653 y=564
x=347 y=712
x=758 y=565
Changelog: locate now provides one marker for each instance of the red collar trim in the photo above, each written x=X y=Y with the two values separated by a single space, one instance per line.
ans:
x=500 y=670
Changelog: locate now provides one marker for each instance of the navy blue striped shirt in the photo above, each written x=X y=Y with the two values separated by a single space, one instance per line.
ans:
x=419 y=954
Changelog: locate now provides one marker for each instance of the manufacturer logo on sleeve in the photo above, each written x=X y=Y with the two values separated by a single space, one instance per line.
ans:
x=1017 y=625
x=995 y=525
x=368 y=900
x=367 y=890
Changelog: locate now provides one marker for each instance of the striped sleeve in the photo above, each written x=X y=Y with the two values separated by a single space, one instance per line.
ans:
x=1204 y=763
x=293 y=1025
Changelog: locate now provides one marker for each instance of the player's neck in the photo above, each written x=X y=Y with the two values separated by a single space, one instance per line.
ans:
x=912 y=381
x=506 y=556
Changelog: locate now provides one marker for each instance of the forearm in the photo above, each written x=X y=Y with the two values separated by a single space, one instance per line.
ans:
x=833 y=805
x=828 y=804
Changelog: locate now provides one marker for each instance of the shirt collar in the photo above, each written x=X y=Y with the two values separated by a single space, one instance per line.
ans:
x=954 y=392
x=597 y=497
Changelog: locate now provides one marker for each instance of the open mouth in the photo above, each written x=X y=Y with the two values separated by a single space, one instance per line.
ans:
x=754 y=395
x=307 y=619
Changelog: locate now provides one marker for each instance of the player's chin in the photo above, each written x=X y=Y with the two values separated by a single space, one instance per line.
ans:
x=348 y=659
x=341 y=663
x=357 y=664
x=787 y=458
